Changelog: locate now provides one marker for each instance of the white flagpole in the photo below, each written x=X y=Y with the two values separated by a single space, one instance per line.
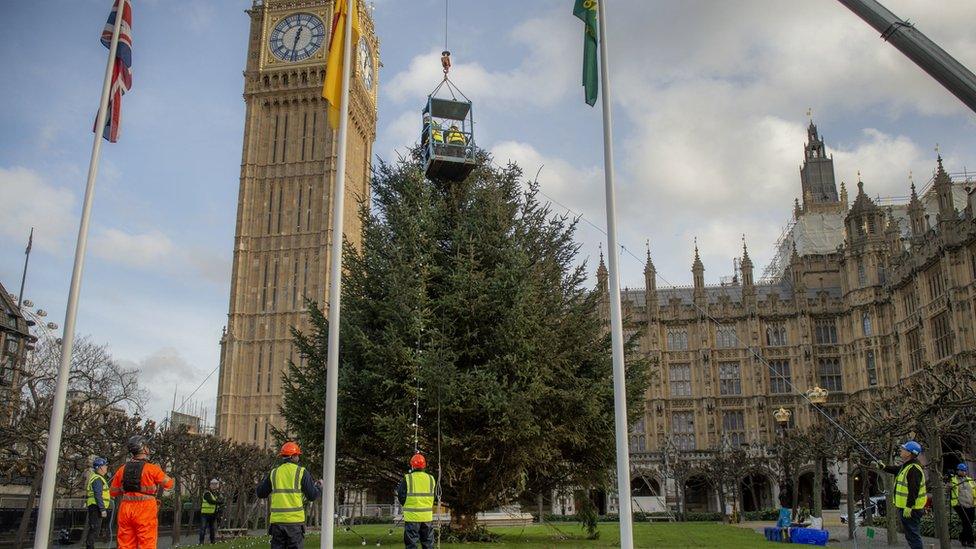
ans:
x=616 y=325
x=46 y=505
x=335 y=289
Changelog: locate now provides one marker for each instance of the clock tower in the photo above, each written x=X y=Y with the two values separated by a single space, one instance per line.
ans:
x=284 y=204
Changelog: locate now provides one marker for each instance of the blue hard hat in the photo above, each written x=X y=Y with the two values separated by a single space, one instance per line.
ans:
x=98 y=462
x=962 y=467
x=912 y=447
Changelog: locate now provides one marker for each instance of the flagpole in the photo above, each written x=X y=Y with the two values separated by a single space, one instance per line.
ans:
x=23 y=277
x=616 y=326
x=46 y=504
x=335 y=289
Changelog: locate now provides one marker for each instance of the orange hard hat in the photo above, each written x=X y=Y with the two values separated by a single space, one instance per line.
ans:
x=289 y=449
x=418 y=461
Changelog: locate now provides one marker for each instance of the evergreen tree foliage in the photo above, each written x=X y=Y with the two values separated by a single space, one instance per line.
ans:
x=464 y=298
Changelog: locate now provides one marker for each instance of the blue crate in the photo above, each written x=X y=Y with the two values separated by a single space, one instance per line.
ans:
x=774 y=533
x=808 y=536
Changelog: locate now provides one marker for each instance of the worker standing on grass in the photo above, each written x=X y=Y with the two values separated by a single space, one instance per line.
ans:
x=961 y=488
x=138 y=482
x=910 y=493
x=98 y=500
x=416 y=495
x=289 y=486
x=210 y=508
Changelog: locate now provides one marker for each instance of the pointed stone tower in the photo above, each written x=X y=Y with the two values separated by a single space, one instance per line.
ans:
x=943 y=190
x=650 y=286
x=602 y=276
x=817 y=172
x=916 y=215
x=698 y=273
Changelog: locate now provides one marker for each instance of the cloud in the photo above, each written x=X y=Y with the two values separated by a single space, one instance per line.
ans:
x=575 y=187
x=30 y=201
x=883 y=162
x=166 y=372
x=540 y=80
x=146 y=250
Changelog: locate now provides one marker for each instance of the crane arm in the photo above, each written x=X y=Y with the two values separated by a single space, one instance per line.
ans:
x=934 y=60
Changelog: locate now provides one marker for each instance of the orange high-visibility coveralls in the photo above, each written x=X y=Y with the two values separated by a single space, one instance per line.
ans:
x=138 y=523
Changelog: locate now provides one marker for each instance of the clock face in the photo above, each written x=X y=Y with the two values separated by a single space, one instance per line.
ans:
x=297 y=37
x=366 y=64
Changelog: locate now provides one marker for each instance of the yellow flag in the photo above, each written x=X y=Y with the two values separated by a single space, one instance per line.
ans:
x=332 y=91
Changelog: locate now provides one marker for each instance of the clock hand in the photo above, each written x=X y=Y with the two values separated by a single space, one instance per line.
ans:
x=294 y=46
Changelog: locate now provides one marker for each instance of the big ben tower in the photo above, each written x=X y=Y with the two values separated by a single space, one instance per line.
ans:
x=283 y=232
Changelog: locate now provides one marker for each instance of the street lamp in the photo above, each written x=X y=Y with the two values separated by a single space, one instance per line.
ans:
x=782 y=417
x=818 y=397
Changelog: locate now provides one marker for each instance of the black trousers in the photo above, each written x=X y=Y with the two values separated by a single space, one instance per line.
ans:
x=911 y=526
x=418 y=532
x=287 y=536
x=94 y=526
x=208 y=523
x=966 y=519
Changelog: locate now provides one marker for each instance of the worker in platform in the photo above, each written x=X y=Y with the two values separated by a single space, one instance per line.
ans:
x=138 y=482
x=455 y=137
x=289 y=485
x=98 y=500
x=961 y=489
x=416 y=495
x=211 y=507
x=910 y=493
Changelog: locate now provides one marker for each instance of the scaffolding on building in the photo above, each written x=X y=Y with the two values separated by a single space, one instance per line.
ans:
x=821 y=233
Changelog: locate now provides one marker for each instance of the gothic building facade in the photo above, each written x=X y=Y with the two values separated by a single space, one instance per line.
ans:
x=283 y=233
x=867 y=295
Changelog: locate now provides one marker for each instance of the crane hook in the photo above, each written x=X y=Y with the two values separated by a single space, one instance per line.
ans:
x=446 y=61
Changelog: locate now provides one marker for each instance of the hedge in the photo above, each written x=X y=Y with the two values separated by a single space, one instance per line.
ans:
x=643 y=517
x=926 y=526
x=762 y=514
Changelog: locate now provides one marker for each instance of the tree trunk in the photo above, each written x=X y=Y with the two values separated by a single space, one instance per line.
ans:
x=462 y=523
x=817 y=510
x=891 y=513
x=850 y=498
x=796 y=495
x=538 y=500
x=177 y=509
x=934 y=481
x=28 y=509
x=755 y=495
x=721 y=501
x=866 y=492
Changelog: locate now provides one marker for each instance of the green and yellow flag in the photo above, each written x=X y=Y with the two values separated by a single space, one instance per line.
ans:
x=332 y=90
x=586 y=11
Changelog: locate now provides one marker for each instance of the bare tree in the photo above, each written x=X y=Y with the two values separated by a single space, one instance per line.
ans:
x=101 y=394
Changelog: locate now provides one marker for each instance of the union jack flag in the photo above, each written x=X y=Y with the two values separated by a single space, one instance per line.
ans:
x=122 y=69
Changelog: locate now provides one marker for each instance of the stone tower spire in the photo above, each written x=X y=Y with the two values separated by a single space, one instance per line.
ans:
x=943 y=189
x=698 y=271
x=650 y=286
x=746 y=265
x=649 y=272
x=817 y=173
x=893 y=234
x=916 y=214
x=602 y=276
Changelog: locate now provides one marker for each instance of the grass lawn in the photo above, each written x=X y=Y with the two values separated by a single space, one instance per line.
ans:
x=686 y=534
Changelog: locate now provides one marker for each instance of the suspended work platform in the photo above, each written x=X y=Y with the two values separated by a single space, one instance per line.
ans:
x=447 y=138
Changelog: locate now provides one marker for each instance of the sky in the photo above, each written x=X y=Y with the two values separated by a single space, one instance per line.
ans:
x=709 y=110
